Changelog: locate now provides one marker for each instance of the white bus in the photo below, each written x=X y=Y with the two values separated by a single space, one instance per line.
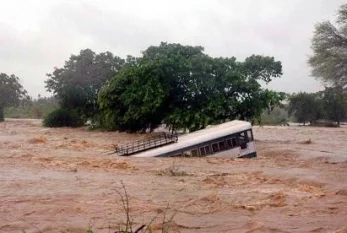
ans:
x=233 y=139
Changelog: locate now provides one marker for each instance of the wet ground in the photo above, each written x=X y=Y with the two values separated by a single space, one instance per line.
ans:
x=64 y=180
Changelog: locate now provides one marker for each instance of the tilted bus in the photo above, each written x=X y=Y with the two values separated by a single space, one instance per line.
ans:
x=233 y=139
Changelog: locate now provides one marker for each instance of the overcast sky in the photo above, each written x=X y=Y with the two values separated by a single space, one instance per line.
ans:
x=37 y=35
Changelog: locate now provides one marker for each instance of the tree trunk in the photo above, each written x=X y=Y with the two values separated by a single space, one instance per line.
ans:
x=2 y=117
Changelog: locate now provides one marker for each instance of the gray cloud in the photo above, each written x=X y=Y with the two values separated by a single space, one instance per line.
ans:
x=239 y=28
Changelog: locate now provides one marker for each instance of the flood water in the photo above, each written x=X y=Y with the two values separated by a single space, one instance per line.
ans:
x=64 y=180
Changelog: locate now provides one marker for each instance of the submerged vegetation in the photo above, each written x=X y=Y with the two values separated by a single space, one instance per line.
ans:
x=63 y=117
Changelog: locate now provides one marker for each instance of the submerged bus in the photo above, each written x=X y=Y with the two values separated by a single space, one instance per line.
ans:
x=232 y=139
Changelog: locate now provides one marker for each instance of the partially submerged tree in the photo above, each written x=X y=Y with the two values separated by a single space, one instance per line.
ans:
x=133 y=99
x=185 y=88
x=306 y=107
x=334 y=101
x=11 y=92
x=77 y=84
x=330 y=105
x=329 y=44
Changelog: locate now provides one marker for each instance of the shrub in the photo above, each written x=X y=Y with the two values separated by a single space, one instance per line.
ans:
x=278 y=116
x=63 y=117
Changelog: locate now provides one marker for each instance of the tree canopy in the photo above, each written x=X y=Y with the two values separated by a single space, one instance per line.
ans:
x=329 y=44
x=330 y=104
x=77 y=84
x=185 y=88
x=334 y=101
x=11 y=92
x=306 y=107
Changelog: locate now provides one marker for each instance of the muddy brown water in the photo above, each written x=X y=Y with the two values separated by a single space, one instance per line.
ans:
x=64 y=180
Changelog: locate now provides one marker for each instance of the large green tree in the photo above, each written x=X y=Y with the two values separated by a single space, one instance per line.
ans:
x=134 y=99
x=77 y=84
x=306 y=107
x=334 y=100
x=329 y=45
x=185 y=88
x=330 y=104
x=11 y=92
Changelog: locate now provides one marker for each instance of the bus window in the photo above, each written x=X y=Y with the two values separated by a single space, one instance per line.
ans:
x=176 y=155
x=242 y=135
x=242 y=140
x=234 y=142
x=195 y=153
x=207 y=150
x=187 y=153
x=229 y=143
x=243 y=146
x=202 y=151
x=250 y=135
x=215 y=148
x=222 y=146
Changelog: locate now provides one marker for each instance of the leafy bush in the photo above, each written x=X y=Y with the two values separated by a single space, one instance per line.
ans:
x=329 y=105
x=278 y=116
x=63 y=117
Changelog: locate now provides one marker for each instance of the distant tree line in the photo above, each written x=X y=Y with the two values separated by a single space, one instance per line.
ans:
x=37 y=108
x=329 y=105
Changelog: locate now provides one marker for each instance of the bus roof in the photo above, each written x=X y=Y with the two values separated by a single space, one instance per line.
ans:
x=200 y=136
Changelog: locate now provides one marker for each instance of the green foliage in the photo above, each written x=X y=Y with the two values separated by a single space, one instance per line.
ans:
x=11 y=92
x=32 y=109
x=334 y=101
x=63 y=117
x=329 y=64
x=133 y=99
x=184 y=88
x=330 y=104
x=329 y=46
x=278 y=116
x=77 y=84
x=306 y=107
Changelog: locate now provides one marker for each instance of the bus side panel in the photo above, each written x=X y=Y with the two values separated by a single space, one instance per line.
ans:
x=250 y=150
x=231 y=153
